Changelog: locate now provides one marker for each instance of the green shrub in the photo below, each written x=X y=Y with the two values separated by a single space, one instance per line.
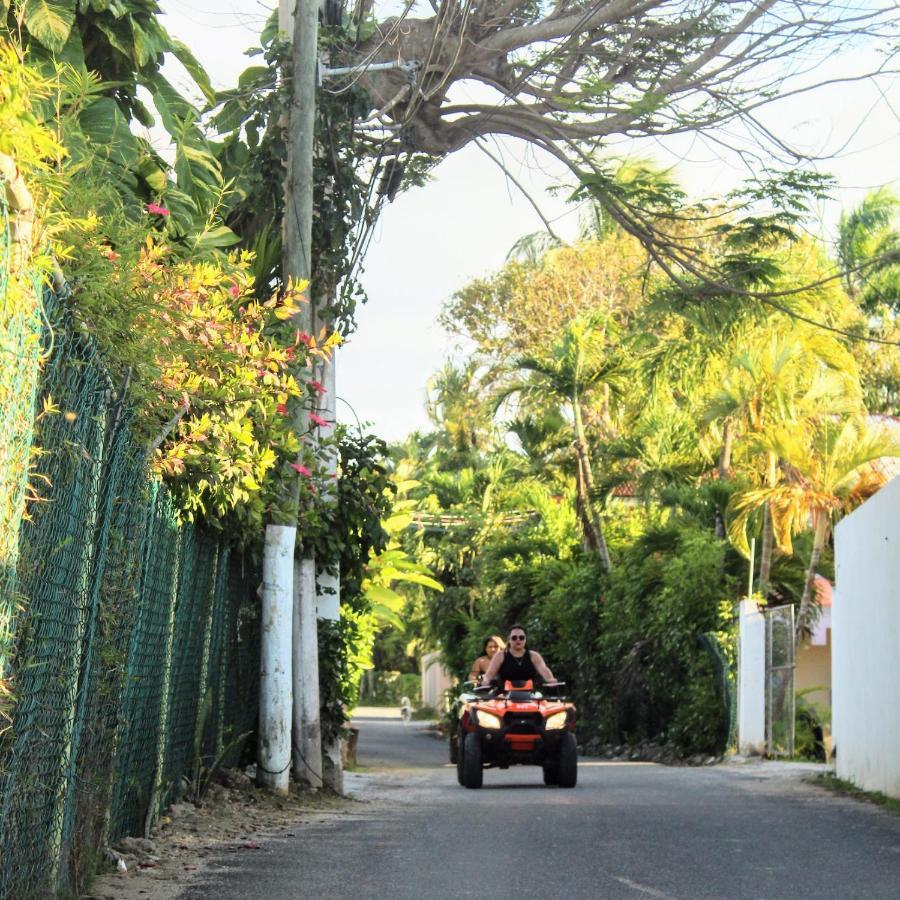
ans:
x=810 y=721
x=659 y=681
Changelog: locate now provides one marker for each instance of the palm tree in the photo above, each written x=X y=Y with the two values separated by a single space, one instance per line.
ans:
x=774 y=382
x=576 y=364
x=826 y=462
x=868 y=249
x=456 y=406
x=660 y=450
x=542 y=438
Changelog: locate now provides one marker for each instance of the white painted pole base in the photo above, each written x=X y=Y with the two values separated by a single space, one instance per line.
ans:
x=328 y=597
x=307 y=725
x=333 y=766
x=329 y=586
x=275 y=694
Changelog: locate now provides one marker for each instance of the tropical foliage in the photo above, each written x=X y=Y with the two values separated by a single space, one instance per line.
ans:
x=600 y=462
x=163 y=259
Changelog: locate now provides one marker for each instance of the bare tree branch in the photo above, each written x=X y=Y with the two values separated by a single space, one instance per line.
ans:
x=525 y=193
x=572 y=76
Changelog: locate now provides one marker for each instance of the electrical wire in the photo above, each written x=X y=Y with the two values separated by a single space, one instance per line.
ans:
x=381 y=44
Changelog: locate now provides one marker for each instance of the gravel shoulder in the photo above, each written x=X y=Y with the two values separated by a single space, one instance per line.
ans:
x=236 y=818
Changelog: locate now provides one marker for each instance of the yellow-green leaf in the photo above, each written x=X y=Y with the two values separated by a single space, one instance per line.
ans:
x=50 y=21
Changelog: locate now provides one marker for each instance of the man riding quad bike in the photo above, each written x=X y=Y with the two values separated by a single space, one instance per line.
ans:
x=517 y=725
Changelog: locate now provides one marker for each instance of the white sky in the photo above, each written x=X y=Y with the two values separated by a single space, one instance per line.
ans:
x=433 y=240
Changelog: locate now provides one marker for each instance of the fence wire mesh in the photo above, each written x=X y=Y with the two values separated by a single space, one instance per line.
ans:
x=19 y=355
x=133 y=640
x=780 y=700
x=726 y=676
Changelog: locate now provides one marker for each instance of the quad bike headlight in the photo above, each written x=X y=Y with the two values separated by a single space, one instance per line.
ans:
x=556 y=721
x=488 y=720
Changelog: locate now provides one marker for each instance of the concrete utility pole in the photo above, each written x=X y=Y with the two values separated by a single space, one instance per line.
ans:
x=294 y=597
x=289 y=664
x=298 y=212
x=329 y=586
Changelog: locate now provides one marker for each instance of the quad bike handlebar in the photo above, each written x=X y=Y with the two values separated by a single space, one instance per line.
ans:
x=547 y=689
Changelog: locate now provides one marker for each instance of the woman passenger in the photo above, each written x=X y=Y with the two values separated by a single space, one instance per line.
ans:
x=489 y=648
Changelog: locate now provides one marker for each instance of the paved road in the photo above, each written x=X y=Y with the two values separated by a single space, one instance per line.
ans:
x=627 y=832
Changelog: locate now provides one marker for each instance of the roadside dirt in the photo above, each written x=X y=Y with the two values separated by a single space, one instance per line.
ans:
x=235 y=817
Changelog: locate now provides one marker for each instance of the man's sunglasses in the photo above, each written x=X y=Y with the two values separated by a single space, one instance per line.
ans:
x=517 y=637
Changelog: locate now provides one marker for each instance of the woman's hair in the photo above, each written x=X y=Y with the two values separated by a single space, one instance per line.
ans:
x=501 y=645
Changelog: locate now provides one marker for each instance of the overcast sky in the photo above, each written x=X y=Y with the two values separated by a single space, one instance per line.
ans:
x=432 y=240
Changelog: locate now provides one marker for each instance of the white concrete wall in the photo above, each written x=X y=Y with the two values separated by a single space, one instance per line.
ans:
x=865 y=683
x=435 y=680
x=751 y=680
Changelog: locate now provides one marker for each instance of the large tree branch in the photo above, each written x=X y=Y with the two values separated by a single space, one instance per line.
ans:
x=556 y=27
x=586 y=71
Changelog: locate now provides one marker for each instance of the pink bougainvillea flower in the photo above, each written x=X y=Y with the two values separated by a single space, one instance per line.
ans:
x=156 y=209
x=317 y=387
x=318 y=420
x=282 y=408
x=109 y=253
x=303 y=338
x=235 y=291
x=301 y=470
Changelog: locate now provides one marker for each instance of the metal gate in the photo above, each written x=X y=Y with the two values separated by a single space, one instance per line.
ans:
x=780 y=681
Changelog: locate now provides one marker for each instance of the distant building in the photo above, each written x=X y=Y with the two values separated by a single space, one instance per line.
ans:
x=436 y=681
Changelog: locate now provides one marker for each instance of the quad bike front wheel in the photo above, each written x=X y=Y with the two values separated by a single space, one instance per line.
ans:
x=472 y=761
x=460 y=756
x=567 y=762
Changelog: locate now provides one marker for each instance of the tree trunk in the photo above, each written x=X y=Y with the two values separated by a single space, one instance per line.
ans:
x=581 y=508
x=724 y=471
x=598 y=541
x=765 y=555
x=727 y=444
x=768 y=540
x=821 y=530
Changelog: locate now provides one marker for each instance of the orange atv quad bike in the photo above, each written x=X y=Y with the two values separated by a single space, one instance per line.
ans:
x=518 y=725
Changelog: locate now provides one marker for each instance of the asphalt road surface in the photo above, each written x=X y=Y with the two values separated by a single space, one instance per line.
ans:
x=628 y=831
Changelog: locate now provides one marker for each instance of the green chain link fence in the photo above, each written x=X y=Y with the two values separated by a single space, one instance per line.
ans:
x=19 y=357
x=131 y=642
x=726 y=679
